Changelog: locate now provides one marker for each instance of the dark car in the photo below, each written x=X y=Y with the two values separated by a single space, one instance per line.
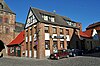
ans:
x=94 y=50
x=75 y=52
x=59 y=54
x=97 y=49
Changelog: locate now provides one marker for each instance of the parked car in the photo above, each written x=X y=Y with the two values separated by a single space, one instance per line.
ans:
x=97 y=49
x=59 y=54
x=75 y=52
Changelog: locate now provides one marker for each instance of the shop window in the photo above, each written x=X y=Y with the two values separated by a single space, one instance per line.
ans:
x=54 y=30
x=46 y=29
x=47 y=45
x=62 y=44
x=67 y=32
x=61 y=31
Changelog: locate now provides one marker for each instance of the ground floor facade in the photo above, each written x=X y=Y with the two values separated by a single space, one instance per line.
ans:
x=43 y=39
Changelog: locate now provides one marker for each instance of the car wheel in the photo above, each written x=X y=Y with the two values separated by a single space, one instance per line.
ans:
x=67 y=56
x=74 y=55
x=58 y=58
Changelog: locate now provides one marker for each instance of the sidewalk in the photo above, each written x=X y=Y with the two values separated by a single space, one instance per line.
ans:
x=25 y=58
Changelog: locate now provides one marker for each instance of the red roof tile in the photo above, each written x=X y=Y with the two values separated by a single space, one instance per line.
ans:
x=87 y=33
x=18 y=39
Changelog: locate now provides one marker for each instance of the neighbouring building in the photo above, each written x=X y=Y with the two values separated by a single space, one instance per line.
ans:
x=46 y=32
x=91 y=37
x=17 y=46
x=7 y=24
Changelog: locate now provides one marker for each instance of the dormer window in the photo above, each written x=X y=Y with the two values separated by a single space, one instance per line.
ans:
x=48 y=18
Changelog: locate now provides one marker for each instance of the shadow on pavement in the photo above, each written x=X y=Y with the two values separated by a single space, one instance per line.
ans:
x=93 y=55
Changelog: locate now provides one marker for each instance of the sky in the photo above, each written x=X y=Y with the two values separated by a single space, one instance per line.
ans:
x=84 y=11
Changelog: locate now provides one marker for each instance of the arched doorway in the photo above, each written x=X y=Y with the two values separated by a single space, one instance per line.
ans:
x=1 y=46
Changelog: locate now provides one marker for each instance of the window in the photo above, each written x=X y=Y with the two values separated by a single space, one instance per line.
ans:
x=61 y=31
x=54 y=30
x=30 y=45
x=32 y=19
x=6 y=20
x=52 y=19
x=74 y=25
x=0 y=19
x=7 y=30
x=55 y=44
x=62 y=44
x=47 y=45
x=45 y=17
x=48 y=17
x=46 y=29
x=67 y=32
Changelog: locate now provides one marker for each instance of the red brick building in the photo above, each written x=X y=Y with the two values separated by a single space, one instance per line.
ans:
x=46 y=32
x=8 y=25
x=91 y=37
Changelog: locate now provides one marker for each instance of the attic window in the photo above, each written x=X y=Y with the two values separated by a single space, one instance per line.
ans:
x=48 y=18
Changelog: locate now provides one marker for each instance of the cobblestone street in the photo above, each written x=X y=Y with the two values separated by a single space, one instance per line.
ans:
x=72 y=61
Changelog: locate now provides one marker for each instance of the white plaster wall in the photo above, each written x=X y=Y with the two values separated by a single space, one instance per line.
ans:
x=47 y=52
x=47 y=36
x=35 y=53
x=68 y=38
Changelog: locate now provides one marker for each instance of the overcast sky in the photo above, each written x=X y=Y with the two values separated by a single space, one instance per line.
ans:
x=83 y=11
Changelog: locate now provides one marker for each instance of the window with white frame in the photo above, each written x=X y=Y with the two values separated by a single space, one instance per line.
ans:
x=46 y=29
x=47 y=45
x=61 y=31
x=62 y=44
x=54 y=30
x=48 y=18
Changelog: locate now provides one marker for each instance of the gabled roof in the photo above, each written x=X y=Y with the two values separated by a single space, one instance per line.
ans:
x=18 y=40
x=86 y=34
x=94 y=25
x=59 y=20
x=5 y=7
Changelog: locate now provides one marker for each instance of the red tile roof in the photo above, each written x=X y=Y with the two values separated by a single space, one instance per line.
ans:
x=86 y=34
x=18 y=40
